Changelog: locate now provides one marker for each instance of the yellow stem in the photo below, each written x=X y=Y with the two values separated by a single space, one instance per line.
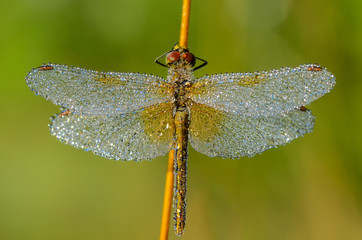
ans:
x=167 y=201
x=185 y=19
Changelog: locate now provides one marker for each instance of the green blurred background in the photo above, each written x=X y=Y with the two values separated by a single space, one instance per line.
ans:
x=308 y=189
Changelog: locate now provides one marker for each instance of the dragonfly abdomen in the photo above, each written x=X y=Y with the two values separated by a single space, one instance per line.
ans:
x=180 y=168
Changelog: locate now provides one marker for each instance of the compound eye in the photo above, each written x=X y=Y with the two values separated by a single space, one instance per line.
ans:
x=172 y=57
x=189 y=57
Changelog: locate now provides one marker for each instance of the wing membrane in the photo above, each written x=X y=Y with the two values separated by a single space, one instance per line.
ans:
x=96 y=93
x=263 y=93
x=221 y=134
x=139 y=135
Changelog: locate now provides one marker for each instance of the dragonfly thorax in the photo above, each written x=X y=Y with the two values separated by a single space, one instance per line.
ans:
x=181 y=79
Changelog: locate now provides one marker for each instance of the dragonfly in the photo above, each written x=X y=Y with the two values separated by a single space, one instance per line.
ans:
x=133 y=116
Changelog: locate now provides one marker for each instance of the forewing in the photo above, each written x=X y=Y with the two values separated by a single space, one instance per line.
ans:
x=139 y=135
x=221 y=134
x=263 y=93
x=96 y=93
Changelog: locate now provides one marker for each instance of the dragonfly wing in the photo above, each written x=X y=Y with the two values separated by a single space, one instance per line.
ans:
x=139 y=135
x=221 y=134
x=263 y=93
x=96 y=93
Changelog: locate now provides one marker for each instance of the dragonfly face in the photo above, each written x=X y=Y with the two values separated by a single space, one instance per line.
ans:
x=181 y=57
x=132 y=116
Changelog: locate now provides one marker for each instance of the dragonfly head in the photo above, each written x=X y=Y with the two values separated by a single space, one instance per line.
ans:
x=180 y=56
